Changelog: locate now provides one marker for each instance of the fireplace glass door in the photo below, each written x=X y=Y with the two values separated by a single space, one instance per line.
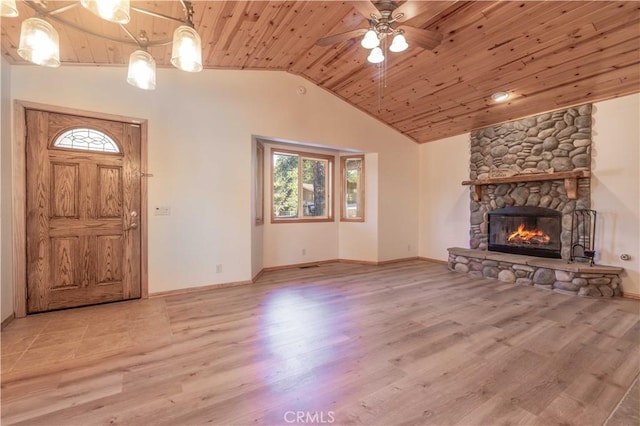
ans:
x=534 y=231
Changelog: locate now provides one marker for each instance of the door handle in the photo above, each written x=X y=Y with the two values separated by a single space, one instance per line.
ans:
x=132 y=225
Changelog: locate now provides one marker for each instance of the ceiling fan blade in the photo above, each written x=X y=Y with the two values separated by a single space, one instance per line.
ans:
x=409 y=8
x=366 y=8
x=337 y=38
x=426 y=39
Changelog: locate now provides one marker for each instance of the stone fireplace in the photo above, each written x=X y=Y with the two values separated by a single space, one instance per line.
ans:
x=528 y=177
x=541 y=146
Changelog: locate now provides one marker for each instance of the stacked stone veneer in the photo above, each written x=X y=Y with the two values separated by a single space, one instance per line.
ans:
x=553 y=274
x=553 y=142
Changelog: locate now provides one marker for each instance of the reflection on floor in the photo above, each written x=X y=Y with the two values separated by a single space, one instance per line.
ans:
x=403 y=343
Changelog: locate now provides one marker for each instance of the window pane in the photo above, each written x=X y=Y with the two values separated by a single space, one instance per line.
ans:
x=353 y=208
x=285 y=185
x=86 y=140
x=314 y=183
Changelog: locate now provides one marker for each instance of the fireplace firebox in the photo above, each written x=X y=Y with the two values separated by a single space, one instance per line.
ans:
x=534 y=231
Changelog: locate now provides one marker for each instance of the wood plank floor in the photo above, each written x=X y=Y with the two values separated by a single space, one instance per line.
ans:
x=408 y=343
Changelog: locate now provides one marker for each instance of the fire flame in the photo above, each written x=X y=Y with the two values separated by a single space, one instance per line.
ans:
x=523 y=236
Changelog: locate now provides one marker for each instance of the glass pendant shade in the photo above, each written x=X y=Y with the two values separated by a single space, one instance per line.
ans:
x=186 y=53
x=142 y=70
x=376 y=56
x=399 y=44
x=112 y=10
x=39 y=43
x=8 y=9
x=370 y=40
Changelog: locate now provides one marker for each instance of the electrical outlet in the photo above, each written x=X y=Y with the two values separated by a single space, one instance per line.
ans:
x=218 y=268
x=162 y=211
x=408 y=247
x=304 y=252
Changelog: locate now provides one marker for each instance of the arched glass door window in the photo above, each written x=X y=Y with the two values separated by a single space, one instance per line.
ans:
x=85 y=139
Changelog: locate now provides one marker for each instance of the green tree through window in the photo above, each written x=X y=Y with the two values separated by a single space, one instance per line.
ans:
x=301 y=186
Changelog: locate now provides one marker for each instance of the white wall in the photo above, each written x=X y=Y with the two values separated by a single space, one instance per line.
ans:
x=200 y=132
x=616 y=185
x=6 y=273
x=444 y=212
x=444 y=202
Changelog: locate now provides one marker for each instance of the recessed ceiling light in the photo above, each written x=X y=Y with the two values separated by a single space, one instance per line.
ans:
x=500 y=96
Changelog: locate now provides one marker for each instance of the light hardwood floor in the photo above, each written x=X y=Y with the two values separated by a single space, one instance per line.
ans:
x=408 y=343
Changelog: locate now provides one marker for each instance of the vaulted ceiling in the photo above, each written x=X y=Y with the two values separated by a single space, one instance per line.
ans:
x=548 y=55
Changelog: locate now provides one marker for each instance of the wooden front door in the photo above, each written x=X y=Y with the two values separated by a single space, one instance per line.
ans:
x=83 y=211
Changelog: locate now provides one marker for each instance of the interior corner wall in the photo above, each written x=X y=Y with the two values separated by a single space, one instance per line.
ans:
x=359 y=240
x=296 y=243
x=616 y=186
x=6 y=260
x=257 y=230
x=444 y=202
x=200 y=132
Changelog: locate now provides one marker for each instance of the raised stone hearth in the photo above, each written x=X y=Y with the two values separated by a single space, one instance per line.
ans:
x=552 y=274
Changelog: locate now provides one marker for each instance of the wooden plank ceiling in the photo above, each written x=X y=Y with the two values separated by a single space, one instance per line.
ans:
x=548 y=55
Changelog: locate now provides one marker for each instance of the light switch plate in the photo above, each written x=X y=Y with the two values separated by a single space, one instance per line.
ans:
x=162 y=211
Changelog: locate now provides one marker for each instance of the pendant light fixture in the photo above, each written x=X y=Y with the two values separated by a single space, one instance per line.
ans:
x=8 y=9
x=142 y=70
x=39 y=40
x=39 y=43
x=186 y=53
x=111 y=10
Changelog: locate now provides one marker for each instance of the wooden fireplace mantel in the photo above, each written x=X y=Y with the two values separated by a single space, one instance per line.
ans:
x=570 y=181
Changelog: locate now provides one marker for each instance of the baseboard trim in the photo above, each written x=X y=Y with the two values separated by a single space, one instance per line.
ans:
x=631 y=295
x=257 y=276
x=7 y=321
x=189 y=290
x=359 y=262
x=428 y=259
x=404 y=259
x=298 y=265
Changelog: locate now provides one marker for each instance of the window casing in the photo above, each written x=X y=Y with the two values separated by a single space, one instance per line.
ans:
x=352 y=194
x=301 y=187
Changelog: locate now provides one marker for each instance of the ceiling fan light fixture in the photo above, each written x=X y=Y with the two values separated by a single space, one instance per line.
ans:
x=186 y=53
x=399 y=43
x=142 y=70
x=500 y=96
x=39 y=43
x=111 y=10
x=376 y=56
x=370 y=40
x=8 y=9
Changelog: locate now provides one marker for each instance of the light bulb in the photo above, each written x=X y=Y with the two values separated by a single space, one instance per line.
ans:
x=142 y=70
x=186 y=53
x=39 y=43
x=370 y=40
x=500 y=96
x=376 y=56
x=399 y=43
x=111 y=10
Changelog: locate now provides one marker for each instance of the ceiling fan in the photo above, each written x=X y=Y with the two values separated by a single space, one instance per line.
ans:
x=383 y=15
